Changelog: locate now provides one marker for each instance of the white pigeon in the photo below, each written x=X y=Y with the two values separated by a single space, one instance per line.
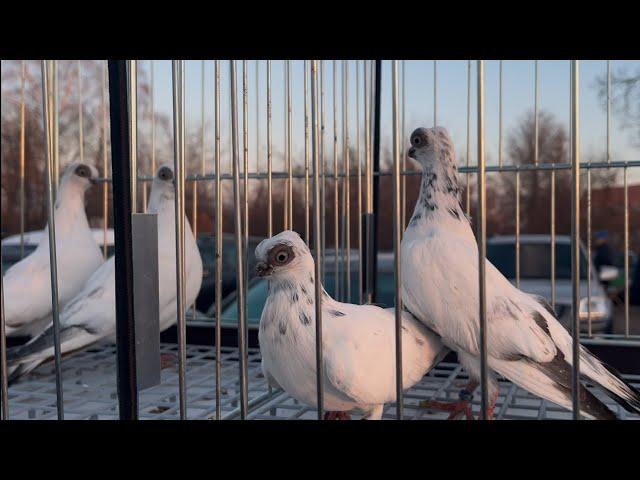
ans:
x=91 y=316
x=358 y=340
x=526 y=344
x=27 y=284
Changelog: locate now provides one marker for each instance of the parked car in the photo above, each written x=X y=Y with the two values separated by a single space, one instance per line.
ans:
x=257 y=289
x=11 y=245
x=535 y=276
x=207 y=246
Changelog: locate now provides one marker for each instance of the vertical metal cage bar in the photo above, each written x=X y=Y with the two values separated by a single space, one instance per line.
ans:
x=242 y=320
x=80 y=112
x=575 y=236
x=153 y=119
x=589 y=326
x=397 y=239
x=269 y=154
x=323 y=170
x=47 y=99
x=500 y=97
x=347 y=183
x=608 y=111
x=316 y=234
x=403 y=133
x=553 y=239
x=4 y=380
x=468 y=189
x=482 y=245
x=245 y=189
x=218 y=248
x=22 y=156
x=336 y=214
x=105 y=171
x=258 y=150
x=179 y=167
x=307 y=233
x=626 y=253
x=56 y=129
x=359 y=180
x=121 y=175
x=288 y=146
x=435 y=93
x=133 y=134
x=535 y=114
x=517 y=229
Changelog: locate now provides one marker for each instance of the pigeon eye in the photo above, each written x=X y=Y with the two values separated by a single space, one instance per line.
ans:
x=416 y=140
x=83 y=171
x=165 y=174
x=282 y=256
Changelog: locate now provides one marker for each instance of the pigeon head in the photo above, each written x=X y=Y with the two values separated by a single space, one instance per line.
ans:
x=78 y=176
x=283 y=255
x=432 y=148
x=163 y=186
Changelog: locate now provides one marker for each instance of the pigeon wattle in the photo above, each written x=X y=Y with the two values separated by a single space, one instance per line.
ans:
x=526 y=343
x=358 y=340
x=90 y=316
x=27 y=284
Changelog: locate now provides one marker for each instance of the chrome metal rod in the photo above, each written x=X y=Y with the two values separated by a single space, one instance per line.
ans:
x=536 y=138
x=80 y=111
x=626 y=254
x=307 y=233
x=288 y=146
x=398 y=227
x=553 y=239
x=435 y=93
x=323 y=171
x=336 y=186
x=317 y=240
x=47 y=99
x=4 y=377
x=179 y=167
x=56 y=130
x=242 y=318
x=608 y=111
x=22 y=156
x=245 y=189
x=575 y=236
x=258 y=146
x=589 y=329
x=105 y=169
x=269 y=154
x=347 y=183
x=153 y=120
x=468 y=189
x=482 y=246
x=359 y=177
x=403 y=134
x=218 y=248
x=517 y=229
x=500 y=97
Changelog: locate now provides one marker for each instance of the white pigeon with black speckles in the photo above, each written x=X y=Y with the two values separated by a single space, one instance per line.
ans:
x=90 y=316
x=27 y=284
x=358 y=340
x=526 y=344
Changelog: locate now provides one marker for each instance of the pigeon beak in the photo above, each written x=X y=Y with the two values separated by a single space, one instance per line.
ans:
x=263 y=270
x=412 y=153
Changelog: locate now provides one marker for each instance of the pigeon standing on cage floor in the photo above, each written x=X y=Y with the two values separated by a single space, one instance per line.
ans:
x=525 y=342
x=27 y=284
x=358 y=341
x=90 y=316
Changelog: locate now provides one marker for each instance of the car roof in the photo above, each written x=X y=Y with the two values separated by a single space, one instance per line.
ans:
x=528 y=238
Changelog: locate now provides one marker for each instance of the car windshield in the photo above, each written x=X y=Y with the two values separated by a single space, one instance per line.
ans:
x=257 y=296
x=535 y=260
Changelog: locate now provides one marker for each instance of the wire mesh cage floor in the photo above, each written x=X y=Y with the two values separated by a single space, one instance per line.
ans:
x=90 y=391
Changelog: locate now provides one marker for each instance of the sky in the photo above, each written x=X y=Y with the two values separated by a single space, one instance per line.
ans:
x=451 y=99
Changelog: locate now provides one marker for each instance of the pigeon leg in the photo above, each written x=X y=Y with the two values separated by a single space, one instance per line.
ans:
x=462 y=406
x=337 y=416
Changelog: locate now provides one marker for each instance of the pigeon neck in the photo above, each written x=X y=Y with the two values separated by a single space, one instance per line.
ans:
x=439 y=194
x=69 y=208
x=298 y=293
